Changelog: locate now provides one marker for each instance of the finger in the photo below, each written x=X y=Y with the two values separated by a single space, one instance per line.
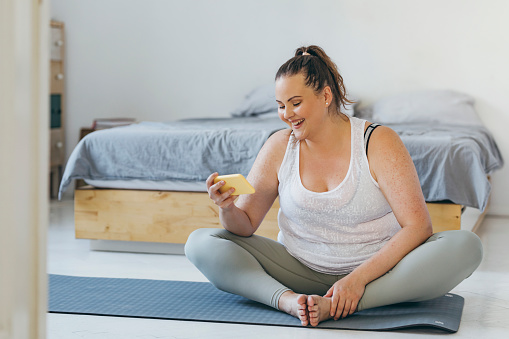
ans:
x=334 y=304
x=210 y=179
x=329 y=292
x=346 y=309
x=215 y=188
x=227 y=202
x=340 y=307
x=227 y=194
x=232 y=198
x=353 y=308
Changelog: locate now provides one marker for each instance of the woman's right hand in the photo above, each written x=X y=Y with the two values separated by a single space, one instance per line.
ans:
x=223 y=200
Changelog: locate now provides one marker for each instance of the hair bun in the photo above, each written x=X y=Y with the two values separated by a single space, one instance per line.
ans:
x=302 y=51
x=319 y=72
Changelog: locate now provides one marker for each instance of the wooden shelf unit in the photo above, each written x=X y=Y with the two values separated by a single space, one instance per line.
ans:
x=57 y=106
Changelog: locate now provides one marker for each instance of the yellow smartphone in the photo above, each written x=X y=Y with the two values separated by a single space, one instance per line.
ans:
x=237 y=181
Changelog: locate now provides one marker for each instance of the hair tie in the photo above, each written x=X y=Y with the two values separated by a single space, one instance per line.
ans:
x=305 y=53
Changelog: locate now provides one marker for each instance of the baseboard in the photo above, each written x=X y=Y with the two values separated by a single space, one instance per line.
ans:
x=498 y=210
x=471 y=219
x=136 y=246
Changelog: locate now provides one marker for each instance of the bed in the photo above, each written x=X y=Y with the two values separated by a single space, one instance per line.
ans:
x=147 y=180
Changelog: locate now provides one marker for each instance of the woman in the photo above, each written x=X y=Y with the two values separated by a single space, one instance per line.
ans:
x=355 y=232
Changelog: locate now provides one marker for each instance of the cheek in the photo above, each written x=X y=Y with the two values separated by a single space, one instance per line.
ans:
x=302 y=111
x=283 y=119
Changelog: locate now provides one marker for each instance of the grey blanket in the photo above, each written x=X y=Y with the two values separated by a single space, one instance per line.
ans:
x=186 y=150
x=452 y=161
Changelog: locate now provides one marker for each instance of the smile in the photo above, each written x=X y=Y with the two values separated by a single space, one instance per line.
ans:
x=298 y=122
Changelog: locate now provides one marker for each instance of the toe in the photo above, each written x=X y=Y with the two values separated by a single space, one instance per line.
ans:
x=304 y=319
x=302 y=299
x=313 y=308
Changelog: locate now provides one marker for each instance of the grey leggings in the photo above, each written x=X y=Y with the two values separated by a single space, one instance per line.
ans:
x=261 y=269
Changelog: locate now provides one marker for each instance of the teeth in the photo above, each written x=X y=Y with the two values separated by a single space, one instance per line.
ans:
x=297 y=122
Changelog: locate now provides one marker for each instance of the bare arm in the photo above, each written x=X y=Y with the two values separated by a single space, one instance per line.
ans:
x=392 y=167
x=245 y=216
x=395 y=173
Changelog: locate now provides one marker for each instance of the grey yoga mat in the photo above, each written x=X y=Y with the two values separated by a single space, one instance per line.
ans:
x=200 y=301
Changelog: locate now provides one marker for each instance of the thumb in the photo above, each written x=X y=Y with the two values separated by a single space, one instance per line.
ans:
x=329 y=292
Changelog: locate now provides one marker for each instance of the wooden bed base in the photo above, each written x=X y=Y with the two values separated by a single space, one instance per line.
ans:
x=169 y=217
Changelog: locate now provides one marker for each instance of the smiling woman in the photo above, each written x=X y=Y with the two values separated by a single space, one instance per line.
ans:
x=355 y=232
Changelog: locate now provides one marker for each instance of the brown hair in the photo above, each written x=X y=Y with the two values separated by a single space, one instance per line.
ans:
x=319 y=71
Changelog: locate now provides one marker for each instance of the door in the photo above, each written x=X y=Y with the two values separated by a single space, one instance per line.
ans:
x=24 y=143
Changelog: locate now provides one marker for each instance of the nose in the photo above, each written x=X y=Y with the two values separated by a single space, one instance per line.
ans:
x=287 y=113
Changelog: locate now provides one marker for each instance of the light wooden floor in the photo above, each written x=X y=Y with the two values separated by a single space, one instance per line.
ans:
x=486 y=292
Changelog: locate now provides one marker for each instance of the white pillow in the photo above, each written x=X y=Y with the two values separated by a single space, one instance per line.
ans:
x=262 y=100
x=432 y=106
x=259 y=101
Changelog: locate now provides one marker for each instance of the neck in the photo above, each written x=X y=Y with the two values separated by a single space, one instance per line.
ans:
x=334 y=135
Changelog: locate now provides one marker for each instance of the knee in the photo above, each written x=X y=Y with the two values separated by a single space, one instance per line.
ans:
x=198 y=244
x=469 y=242
x=468 y=246
x=473 y=244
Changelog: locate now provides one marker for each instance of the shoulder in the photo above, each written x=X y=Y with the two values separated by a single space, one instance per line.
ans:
x=282 y=135
x=383 y=136
x=386 y=150
x=276 y=144
x=271 y=154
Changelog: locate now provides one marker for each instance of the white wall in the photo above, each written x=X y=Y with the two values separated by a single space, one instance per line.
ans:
x=164 y=60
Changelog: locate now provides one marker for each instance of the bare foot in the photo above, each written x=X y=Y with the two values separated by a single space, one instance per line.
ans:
x=318 y=309
x=296 y=305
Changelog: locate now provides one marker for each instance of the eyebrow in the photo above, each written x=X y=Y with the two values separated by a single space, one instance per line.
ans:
x=295 y=96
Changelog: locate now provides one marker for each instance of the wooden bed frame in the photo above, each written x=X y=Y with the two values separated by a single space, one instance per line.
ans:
x=169 y=216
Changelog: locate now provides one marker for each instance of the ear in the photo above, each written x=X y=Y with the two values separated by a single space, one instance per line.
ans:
x=327 y=94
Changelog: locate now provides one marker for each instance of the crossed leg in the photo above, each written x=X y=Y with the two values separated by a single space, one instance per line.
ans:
x=259 y=269
x=262 y=270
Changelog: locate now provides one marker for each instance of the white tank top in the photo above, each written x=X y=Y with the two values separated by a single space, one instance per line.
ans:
x=335 y=231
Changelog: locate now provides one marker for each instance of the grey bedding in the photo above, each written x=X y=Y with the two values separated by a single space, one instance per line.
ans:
x=452 y=161
x=185 y=150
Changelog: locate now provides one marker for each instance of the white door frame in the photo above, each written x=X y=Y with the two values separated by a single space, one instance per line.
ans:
x=24 y=158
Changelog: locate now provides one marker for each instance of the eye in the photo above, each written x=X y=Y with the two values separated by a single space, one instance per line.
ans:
x=281 y=107
x=296 y=104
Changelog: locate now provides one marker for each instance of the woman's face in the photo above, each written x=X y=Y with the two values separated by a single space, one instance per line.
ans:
x=299 y=106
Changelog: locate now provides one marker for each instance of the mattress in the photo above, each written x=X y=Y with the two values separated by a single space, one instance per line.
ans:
x=452 y=161
x=163 y=185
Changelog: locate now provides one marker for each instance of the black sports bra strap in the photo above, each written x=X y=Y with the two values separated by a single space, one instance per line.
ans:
x=367 y=135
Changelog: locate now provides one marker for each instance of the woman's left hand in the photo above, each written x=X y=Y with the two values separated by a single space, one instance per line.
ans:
x=345 y=294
